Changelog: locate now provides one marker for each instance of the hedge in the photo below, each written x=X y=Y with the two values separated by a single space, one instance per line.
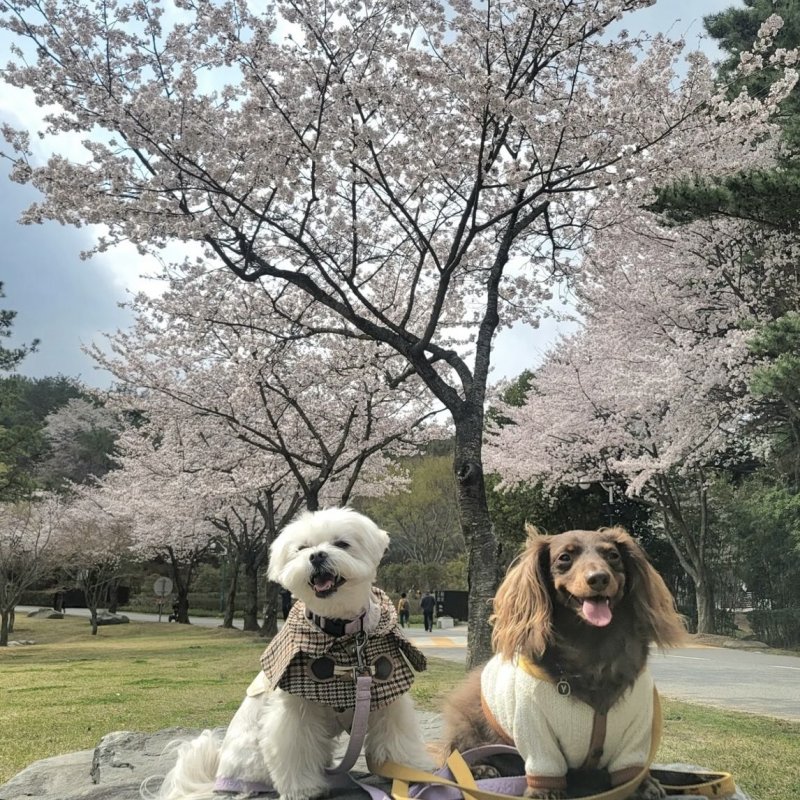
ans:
x=776 y=627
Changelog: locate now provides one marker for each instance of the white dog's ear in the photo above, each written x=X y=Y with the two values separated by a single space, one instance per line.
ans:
x=380 y=543
x=279 y=555
x=275 y=555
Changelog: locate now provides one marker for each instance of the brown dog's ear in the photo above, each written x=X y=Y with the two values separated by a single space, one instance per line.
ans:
x=523 y=609
x=653 y=604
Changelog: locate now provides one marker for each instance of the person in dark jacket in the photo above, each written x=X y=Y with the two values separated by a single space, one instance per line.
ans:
x=427 y=604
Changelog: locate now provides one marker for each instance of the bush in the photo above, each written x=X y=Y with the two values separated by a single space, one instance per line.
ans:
x=778 y=628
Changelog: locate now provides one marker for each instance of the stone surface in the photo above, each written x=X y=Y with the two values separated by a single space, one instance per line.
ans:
x=116 y=768
x=106 y=618
x=46 y=613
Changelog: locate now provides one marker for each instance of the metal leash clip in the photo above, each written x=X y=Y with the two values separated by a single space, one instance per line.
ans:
x=361 y=668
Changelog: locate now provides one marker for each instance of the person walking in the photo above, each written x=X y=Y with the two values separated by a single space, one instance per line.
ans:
x=427 y=604
x=403 y=610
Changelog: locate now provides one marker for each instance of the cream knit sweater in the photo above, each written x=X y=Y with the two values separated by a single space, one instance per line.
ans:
x=553 y=733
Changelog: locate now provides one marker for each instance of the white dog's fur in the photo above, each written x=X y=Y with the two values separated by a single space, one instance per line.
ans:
x=284 y=737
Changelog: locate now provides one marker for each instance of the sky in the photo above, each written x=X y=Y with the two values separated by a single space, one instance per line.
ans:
x=67 y=302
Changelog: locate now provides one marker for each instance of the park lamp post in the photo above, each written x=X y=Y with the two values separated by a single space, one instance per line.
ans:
x=586 y=483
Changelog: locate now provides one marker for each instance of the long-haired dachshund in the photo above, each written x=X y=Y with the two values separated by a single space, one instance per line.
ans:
x=568 y=684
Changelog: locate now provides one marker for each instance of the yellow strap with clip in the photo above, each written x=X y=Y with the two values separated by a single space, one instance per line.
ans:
x=718 y=785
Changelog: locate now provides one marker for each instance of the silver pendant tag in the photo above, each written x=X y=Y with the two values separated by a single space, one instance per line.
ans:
x=563 y=688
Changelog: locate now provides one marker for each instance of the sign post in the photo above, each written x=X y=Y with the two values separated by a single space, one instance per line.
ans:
x=162 y=588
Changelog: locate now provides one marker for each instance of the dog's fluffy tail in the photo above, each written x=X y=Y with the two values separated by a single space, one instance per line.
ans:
x=194 y=773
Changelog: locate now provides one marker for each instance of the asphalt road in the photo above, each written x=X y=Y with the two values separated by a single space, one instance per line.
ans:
x=759 y=682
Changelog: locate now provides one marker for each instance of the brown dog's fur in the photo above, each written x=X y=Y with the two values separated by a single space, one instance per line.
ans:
x=537 y=614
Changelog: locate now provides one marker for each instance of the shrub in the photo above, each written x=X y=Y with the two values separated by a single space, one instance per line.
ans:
x=777 y=627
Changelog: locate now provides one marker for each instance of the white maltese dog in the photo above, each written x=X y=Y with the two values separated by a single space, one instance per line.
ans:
x=284 y=733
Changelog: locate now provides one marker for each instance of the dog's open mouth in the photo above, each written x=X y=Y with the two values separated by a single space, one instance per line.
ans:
x=325 y=584
x=595 y=610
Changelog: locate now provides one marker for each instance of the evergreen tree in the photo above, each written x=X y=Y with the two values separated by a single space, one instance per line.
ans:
x=11 y=356
x=24 y=406
x=768 y=197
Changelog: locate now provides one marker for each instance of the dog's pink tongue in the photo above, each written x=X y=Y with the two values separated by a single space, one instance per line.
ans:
x=597 y=612
x=323 y=584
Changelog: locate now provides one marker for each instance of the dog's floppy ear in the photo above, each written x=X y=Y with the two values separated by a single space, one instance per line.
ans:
x=377 y=543
x=652 y=602
x=523 y=609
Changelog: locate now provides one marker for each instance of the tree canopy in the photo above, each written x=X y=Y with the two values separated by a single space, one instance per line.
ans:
x=420 y=173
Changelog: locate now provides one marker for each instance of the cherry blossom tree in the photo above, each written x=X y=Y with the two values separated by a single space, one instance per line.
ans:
x=176 y=497
x=300 y=420
x=81 y=438
x=329 y=408
x=653 y=394
x=92 y=549
x=424 y=171
x=27 y=534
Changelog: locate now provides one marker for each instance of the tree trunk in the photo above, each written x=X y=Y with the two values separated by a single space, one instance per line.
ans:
x=12 y=618
x=230 y=595
x=482 y=552
x=250 y=608
x=690 y=545
x=704 y=595
x=182 y=602
x=272 y=604
x=113 y=596
x=4 y=628
x=93 y=613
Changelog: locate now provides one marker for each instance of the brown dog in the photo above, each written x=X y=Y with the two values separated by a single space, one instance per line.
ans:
x=568 y=685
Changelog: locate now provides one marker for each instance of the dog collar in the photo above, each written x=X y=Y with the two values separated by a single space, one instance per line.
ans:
x=338 y=627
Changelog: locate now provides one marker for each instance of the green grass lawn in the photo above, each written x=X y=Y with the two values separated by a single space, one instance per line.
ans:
x=69 y=689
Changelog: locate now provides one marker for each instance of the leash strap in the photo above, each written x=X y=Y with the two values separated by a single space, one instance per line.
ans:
x=338 y=776
x=358 y=728
x=456 y=781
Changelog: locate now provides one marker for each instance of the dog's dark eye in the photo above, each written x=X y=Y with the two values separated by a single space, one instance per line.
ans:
x=612 y=555
x=564 y=558
x=341 y=543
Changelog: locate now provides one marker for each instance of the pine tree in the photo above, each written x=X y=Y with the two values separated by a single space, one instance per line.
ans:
x=11 y=356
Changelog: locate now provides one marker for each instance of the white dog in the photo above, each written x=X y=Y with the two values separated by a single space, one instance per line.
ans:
x=283 y=734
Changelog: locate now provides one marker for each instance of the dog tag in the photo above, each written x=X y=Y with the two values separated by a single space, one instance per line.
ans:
x=563 y=688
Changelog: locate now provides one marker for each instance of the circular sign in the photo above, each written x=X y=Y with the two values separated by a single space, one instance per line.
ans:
x=162 y=587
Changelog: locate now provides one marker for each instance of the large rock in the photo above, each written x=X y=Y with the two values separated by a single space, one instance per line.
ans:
x=46 y=613
x=107 y=618
x=116 y=768
x=112 y=771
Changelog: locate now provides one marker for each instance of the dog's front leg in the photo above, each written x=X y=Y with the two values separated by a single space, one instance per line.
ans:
x=393 y=734
x=297 y=740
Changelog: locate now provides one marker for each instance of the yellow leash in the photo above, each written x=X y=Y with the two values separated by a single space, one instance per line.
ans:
x=718 y=785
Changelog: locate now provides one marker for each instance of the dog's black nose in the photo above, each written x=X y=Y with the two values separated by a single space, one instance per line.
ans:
x=320 y=557
x=598 y=580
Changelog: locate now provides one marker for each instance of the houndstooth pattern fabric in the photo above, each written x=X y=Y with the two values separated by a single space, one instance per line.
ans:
x=288 y=658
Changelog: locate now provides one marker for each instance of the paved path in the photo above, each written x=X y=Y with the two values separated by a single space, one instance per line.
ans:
x=760 y=682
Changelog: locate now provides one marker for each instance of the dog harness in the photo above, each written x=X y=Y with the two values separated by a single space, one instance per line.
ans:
x=305 y=660
x=555 y=732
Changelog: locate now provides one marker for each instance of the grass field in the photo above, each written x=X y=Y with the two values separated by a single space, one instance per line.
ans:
x=69 y=689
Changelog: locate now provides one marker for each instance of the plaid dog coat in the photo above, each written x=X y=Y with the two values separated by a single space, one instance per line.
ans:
x=304 y=660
